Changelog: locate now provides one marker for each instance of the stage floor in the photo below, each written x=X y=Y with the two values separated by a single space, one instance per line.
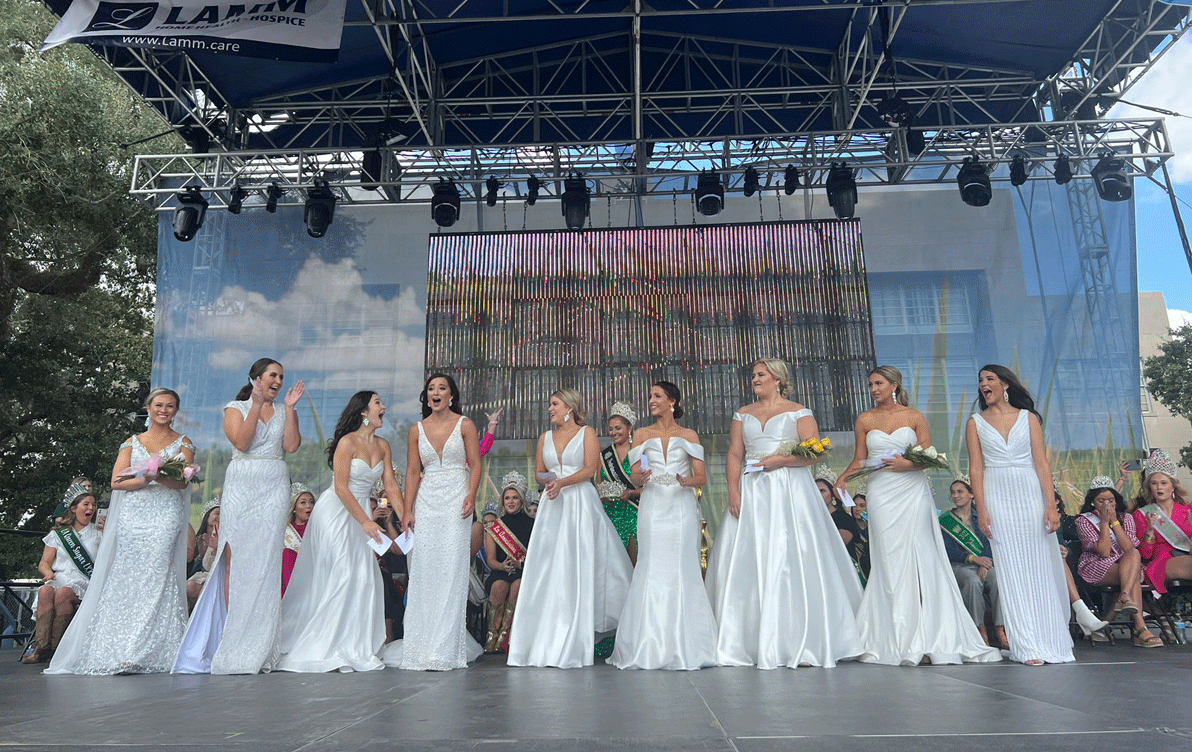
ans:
x=1114 y=698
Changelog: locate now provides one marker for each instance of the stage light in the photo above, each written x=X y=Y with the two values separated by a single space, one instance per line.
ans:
x=1018 y=171
x=320 y=209
x=393 y=133
x=1112 y=178
x=916 y=142
x=533 y=185
x=895 y=111
x=752 y=183
x=576 y=203
x=790 y=180
x=444 y=204
x=272 y=194
x=188 y=217
x=238 y=195
x=1063 y=170
x=842 y=190
x=973 y=180
x=370 y=169
x=709 y=194
x=492 y=186
x=196 y=137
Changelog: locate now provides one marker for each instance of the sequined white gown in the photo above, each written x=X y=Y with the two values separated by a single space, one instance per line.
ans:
x=667 y=622
x=576 y=574
x=783 y=588
x=436 y=635
x=237 y=635
x=1034 y=589
x=134 y=611
x=333 y=614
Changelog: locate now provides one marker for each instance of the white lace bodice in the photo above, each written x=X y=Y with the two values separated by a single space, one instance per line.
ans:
x=266 y=438
x=454 y=456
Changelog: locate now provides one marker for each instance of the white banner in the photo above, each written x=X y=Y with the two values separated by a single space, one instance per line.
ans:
x=301 y=30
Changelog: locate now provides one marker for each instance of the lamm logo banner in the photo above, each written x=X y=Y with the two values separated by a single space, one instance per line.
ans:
x=300 y=30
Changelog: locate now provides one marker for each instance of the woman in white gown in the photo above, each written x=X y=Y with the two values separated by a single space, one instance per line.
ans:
x=1013 y=490
x=442 y=479
x=133 y=613
x=783 y=588
x=912 y=607
x=577 y=571
x=667 y=621
x=333 y=613
x=233 y=628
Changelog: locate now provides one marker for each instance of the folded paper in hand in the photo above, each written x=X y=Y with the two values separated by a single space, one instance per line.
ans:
x=753 y=466
x=644 y=463
x=405 y=541
x=846 y=498
x=547 y=477
x=381 y=547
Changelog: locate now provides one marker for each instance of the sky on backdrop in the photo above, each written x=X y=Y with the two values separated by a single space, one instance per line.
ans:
x=1162 y=265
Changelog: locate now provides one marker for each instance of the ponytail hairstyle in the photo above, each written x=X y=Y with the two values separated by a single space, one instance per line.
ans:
x=1016 y=393
x=672 y=392
x=349 y=420
x=777 y=368
x=454 y=406
x=149 y=401
x=894 y=376
x=255 y=371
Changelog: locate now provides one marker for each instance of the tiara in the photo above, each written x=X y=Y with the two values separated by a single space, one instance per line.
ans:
x=72 y=493
x=1159 y=462
x=491 y=508
x=825 y=473
x=299 y=488
x=1101 y=481
x=963 y=478
x=515 y=480
x=624 y=410
x=212 y=504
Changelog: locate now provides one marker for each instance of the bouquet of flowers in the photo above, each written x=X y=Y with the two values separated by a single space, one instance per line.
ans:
x=923 y=459
x=173 y=468
x=813 y=448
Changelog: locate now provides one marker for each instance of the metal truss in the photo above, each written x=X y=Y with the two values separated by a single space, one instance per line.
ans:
x=879 y=157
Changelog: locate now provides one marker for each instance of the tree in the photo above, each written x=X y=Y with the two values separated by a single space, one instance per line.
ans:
x=1169 y=378
x=77 y=270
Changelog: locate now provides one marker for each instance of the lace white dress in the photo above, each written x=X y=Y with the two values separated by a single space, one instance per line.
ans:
x=576 y=576
x=783 y=588
x=1034 y=589
x=333 y=613
x=436 y=635
x=912 y=606
x=134 y=612
x=237 y=635
x=667 y=622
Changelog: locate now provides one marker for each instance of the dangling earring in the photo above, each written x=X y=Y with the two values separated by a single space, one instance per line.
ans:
x=148 y=420
x=451 y=402
x=366 y=422
x=567 y=417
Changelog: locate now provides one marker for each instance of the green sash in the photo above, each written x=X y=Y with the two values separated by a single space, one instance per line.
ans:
x=961 y=534
x=1166 y=527
x=74 y=548
x=613 y=469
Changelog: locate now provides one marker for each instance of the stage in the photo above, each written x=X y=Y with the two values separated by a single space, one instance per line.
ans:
x=1113 y=698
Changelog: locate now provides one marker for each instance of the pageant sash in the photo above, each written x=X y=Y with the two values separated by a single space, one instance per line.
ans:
x=74 y=548
x=1166 y=527
x=613 y=467
x=961 y=534
x=508 y=542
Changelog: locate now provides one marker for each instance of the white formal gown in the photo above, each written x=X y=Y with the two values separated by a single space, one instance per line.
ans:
x=667 y=621
x=333 y=613
x=131 y=618
x=237 y=634
x=576 y=573
x=912 y=606
x=436 y=636
x=1034 y=590
x=783 y=588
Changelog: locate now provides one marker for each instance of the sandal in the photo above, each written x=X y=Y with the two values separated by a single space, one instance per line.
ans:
x=1125 y=607
x=1000 y=640
x=1033 y=662
x=1099 y=637
x=1146 y=642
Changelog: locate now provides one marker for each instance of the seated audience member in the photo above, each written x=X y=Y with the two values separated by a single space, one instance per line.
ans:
x=1069 y=535
x=1164 y=524
x=302 y=503
x=972 y=563
x=860 y=512
x=506 y=542
x=206 y=546
x=532 y=508
x=66 y=565
x=1109 y=554
x=487 y=517
x=392 y=563
x=844 y=522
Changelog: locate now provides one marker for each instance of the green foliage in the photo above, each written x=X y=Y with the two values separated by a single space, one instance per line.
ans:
x=1169 y=378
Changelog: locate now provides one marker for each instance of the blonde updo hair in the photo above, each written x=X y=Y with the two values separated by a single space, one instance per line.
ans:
x=777 y=368
x=894 y=376
x=573 y=399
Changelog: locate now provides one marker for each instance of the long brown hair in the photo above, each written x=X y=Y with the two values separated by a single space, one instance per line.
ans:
x=1016 y=394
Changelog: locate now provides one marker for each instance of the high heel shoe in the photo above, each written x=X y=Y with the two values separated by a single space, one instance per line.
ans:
x=1085 y=618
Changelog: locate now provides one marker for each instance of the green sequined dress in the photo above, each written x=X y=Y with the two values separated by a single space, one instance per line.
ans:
x=624 y=517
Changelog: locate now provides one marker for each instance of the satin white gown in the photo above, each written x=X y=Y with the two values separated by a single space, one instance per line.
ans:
x=131 y=618
x=436 y=635
x=333 y=613
x=782 y=585
x=912 y=606
x=576 y=573
x=1034 y=590
x=667 y=621
x=238 y=635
